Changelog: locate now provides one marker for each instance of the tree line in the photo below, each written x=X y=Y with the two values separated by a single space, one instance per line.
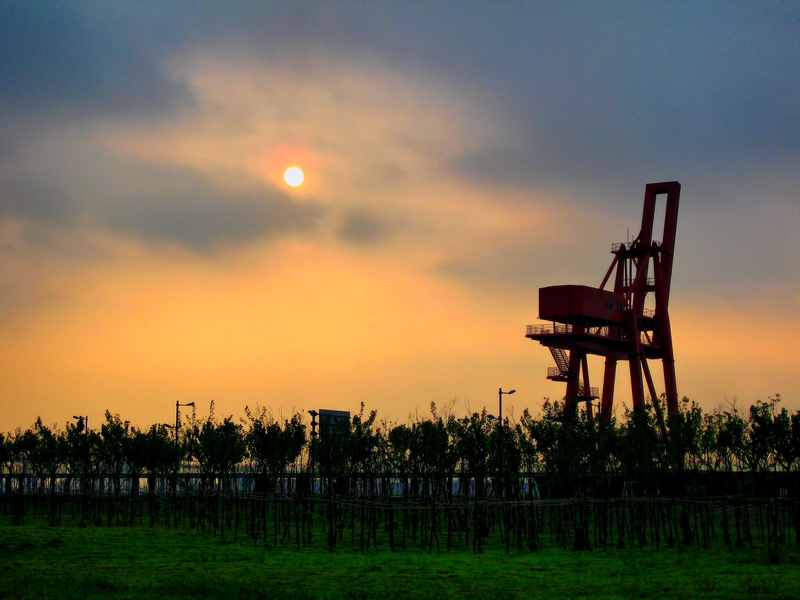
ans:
x=725 y=451
x=438 y=483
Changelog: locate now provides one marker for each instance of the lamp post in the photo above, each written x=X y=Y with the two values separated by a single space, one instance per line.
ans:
x=500 y=398
x=84 y=421
x=174 y=479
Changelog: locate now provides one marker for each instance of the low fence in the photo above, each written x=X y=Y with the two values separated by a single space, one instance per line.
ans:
x=526 y=485
x=432 y=523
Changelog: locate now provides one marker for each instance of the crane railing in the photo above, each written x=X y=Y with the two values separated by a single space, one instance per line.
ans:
x=561 y=329
x=548 y=329
x=617 y=246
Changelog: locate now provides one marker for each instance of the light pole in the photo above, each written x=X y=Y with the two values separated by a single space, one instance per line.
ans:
x=500 y=398
x=84 y=421
x=174 y=478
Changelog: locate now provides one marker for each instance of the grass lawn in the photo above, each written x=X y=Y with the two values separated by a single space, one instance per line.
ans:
x=39 y=562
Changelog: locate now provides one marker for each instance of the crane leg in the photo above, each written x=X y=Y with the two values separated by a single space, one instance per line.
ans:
x=609 y=379
x=573 y=385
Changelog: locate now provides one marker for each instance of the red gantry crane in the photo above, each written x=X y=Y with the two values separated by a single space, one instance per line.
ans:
x=630 y=322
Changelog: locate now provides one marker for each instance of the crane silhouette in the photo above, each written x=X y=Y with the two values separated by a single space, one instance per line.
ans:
x=629 y=322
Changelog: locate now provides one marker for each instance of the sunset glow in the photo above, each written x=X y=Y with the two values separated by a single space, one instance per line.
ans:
x=302 y=213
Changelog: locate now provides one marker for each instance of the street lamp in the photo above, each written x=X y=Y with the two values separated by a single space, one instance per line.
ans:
x=500 y=397
x=178 y=416
x=84 y=420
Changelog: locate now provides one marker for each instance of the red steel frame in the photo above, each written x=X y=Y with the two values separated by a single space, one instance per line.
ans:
x=638 y=334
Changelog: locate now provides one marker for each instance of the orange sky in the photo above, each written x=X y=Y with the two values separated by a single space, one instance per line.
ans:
x=149 y=258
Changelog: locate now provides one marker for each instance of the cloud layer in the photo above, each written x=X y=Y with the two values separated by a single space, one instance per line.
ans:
x=456 y=160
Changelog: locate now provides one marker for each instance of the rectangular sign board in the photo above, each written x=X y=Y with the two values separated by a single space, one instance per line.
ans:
x=334 y=422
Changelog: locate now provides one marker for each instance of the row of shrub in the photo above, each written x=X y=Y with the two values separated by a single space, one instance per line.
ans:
x=726 y=451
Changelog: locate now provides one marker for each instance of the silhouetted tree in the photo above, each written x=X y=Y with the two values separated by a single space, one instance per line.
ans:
x=218 y=449
x=113 y=434
x=272 y=448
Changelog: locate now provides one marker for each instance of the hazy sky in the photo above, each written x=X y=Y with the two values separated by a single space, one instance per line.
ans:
x=458 y=156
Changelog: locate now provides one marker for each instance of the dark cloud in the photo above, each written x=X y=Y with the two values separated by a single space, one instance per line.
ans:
x=599 y=98
x=598 y=88
x=524 y=266
x=78 y=59
x=153 y=203
x=361 y=227
x=187 y=208
x=656 y=90
x=39 y=199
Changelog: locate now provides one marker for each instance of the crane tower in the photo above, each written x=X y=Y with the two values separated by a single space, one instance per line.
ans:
x=629 y=322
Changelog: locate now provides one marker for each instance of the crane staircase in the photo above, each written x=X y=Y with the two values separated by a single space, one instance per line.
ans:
x=561 y=372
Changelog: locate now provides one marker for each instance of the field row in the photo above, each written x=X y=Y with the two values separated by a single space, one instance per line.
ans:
x=436 y=525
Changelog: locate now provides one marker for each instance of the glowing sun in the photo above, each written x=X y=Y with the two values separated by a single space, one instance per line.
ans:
x=294 y=176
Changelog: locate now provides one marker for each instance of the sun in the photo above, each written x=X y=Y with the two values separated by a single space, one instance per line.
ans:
x=294 y=176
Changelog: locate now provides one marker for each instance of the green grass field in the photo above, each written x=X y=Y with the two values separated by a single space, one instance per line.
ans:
x=39 y=562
